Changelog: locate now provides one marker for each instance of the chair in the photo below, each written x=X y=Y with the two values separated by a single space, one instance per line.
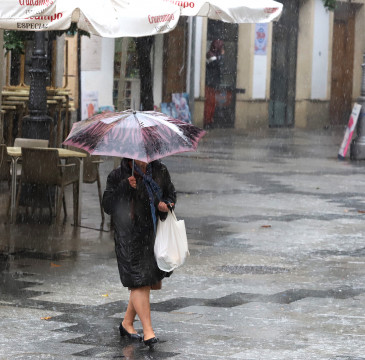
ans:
x=43 y=167
x=2 y=113
x=91 y=173
x=5 y=171
x=30 y=143
x=5 y=174
x=9 y=115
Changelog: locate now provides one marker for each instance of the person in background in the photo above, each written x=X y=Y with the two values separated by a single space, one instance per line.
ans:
x=135 y=199
x=213 y=77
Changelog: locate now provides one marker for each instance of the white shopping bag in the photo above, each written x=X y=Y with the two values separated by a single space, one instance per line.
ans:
x=171 y=244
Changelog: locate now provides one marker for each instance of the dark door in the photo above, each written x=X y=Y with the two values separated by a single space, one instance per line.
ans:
x=174 y=69
x=342 y=66
x=224 y=115
x=283 y=66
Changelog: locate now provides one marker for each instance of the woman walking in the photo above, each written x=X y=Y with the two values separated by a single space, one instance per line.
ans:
x=136 y=200
x=213 y=77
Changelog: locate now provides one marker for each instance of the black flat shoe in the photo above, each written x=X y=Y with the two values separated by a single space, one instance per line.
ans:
x=151 y=342
x=124 y=332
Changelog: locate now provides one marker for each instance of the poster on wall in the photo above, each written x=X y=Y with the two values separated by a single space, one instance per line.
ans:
x=169 y=109
x=261 y=32
x=90 y=104
x=349 y=131
x=181 y=106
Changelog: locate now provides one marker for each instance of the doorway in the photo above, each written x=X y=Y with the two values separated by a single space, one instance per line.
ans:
x=225 y=96
x=174 y=63
x=342 y=65
x=283 y=66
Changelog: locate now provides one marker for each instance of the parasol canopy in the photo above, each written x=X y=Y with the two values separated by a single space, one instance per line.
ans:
x=128 y=18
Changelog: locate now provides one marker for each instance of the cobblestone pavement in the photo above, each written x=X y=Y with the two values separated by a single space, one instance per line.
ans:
x=276 y=233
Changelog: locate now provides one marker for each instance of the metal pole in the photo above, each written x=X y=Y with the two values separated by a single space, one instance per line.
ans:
x=357 y=149
x=192 y=69
x=79 y=89
x=37 y=124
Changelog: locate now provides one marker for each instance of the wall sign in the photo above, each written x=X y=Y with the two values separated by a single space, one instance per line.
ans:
x=261 y=31
x=349 y=131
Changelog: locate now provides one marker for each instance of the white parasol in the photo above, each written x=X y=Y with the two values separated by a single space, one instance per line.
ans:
x=128 y=18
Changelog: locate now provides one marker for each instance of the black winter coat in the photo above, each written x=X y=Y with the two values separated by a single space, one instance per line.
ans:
x=134 y=232
x=213 y=73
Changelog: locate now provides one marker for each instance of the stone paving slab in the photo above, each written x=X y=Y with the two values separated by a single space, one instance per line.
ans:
x=277 y=268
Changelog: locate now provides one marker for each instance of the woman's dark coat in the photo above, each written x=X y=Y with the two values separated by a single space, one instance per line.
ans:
x=213 y=74
x=134 y=232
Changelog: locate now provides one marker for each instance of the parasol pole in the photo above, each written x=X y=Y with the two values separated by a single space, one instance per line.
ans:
x=132 y=167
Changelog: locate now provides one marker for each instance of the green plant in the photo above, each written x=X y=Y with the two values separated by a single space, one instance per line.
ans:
x=330 y=4
x=72 y=30
x=14 y=41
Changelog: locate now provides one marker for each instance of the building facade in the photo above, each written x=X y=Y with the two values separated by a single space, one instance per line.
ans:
x=302 y=71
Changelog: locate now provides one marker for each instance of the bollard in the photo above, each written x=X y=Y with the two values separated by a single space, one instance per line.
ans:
x=357 y=149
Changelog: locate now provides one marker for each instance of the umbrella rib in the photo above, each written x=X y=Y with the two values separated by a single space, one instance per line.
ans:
x=173 y=127
x=141 y=127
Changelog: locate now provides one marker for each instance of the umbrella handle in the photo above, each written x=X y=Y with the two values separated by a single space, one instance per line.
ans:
x=132 y=167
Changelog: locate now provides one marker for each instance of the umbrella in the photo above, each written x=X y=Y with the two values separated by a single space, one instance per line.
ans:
x=123 y=18
x=233 y=11
x=139 y=135
x=107 y=18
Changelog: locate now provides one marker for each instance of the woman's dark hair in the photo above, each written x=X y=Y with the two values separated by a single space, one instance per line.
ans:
x=216 y=48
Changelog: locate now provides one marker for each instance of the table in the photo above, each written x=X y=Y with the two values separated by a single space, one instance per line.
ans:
x=58 y=102
x=16 y=153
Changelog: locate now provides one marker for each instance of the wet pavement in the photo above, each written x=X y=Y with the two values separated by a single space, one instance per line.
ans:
x=277 y=268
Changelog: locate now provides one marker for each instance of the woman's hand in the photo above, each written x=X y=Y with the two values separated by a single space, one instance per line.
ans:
x=163 y=207
x=132 y=182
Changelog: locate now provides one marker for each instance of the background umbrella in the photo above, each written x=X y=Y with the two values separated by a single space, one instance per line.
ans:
x=138 y=135
x=107 y=18
x=123 y=18
x=234 y=11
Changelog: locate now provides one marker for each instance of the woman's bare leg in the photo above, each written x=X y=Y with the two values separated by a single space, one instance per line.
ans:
x=129 y=317
x=141 y=302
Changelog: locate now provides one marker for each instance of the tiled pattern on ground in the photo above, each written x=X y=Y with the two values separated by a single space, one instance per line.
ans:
x=277 y=269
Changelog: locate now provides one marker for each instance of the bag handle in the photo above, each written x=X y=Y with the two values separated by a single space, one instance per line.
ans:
x=173 y=214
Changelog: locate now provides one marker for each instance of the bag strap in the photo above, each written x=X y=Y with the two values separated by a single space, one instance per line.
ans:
x=173 y=214
x=152 y=189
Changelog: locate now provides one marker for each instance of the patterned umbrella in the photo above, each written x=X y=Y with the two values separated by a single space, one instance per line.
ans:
x=139 y=135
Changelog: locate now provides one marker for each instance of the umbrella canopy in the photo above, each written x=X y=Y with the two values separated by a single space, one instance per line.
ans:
x=107 y=18
x=123 y=18
x=233 y=11
x=139 y=135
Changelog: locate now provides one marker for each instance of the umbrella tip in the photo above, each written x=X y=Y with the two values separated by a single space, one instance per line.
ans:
x=134 y=112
